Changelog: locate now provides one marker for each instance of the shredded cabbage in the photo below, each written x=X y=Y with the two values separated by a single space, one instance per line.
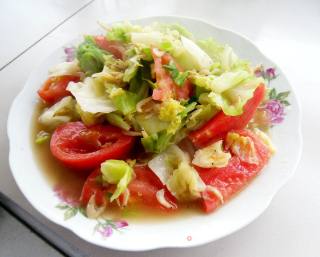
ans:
x=121 y=31
x=164 y=164
x=88 y=118
x=170 y=112
x=65 y=68
x=212 y=156
x=232 y=100
x=124 y=101
x=117 y=120
x=200 y=116
x=131 y=71
x=163 y=201
x=42 y=137
x=61 y=112
x=90 y=56
x=195 y=57
x=243 y=147
x=147 y=38
x=88 y=99
x=117 y=172
x=151 y=124
x=219 y=84
x=265 y=139
x=156 y=142
x=185 y=183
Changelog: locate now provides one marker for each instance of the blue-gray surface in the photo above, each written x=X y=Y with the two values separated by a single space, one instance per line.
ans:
x=16 y=240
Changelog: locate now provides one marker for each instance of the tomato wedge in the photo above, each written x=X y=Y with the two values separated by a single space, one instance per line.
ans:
x=93 y=186
x=113 y=47
x=144 y=187
x=166 y=86
x=220 y=124
x=54 y=88
x=234 y=177
x=82 y=148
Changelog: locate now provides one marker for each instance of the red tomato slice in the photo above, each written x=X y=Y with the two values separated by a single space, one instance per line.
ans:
x=144 y=187
x=82 y=148
x=221 y=124
x=93 y=186
x=166 y=86
x=113 y=47
x=54 y=88
x=234 y=177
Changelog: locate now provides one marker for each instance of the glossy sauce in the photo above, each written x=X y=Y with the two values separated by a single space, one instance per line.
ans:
x=68 y=184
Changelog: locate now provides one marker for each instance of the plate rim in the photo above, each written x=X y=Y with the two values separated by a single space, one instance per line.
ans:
x=10 y=123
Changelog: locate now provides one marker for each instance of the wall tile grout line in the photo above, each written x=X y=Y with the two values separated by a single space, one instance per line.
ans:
x=46 y=34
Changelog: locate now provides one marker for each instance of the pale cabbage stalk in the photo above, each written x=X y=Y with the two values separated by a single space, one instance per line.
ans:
x=228 y=58
x=56 y=114
x=88 y=99
x=92 y=210
x=65 y=68
x=213 y=190
x=212 y=156
x=265 y=139
x=164 y=163
x=185 y=183
x=163 y=201
x=219 y=84
x=117 y=172
x=147 y=38
x=243 y=147
x=173 y=169
x=199 y=58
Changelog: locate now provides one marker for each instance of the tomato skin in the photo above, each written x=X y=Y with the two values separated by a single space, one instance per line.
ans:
x=234 y=177
x=181 y=92
x=221 y=124
x=92 y=186
x=112 y=47
x=54 y=88
x=144 y=187
x=166 y=86
x=83 y=148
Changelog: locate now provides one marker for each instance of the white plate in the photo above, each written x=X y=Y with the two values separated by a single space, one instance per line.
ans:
x=183 y=232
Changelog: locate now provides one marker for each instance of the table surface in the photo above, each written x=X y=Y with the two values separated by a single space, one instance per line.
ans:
x=287 y=31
